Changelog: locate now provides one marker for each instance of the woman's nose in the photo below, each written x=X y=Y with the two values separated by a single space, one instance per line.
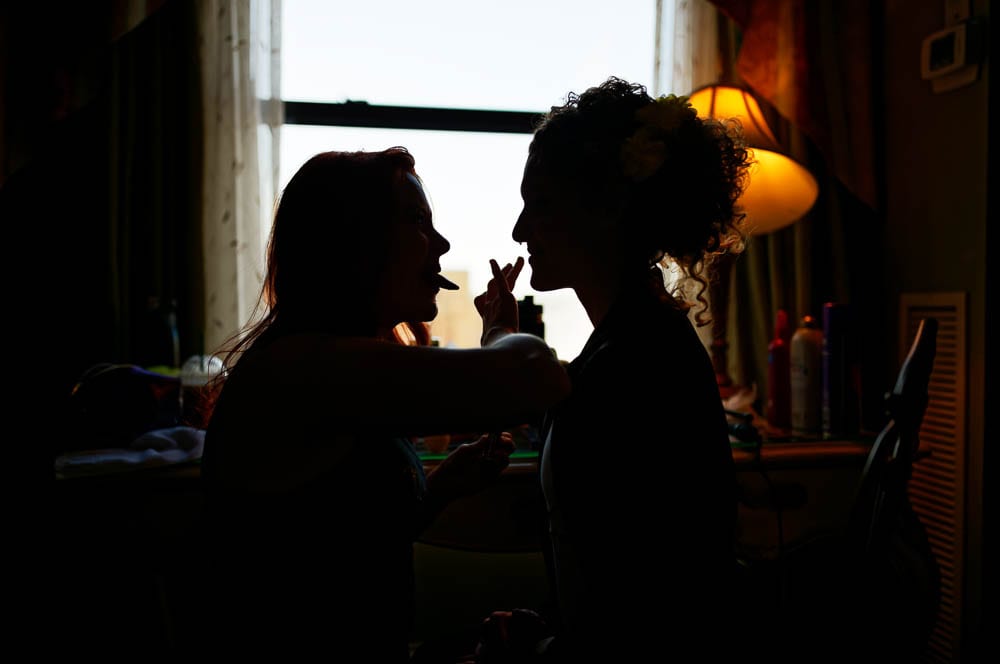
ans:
x=442 y=243
x=520 y=231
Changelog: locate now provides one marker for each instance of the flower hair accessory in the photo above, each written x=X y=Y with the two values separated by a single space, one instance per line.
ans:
x=644 y=151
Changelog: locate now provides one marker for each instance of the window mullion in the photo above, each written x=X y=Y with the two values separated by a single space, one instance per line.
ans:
x=363 y=114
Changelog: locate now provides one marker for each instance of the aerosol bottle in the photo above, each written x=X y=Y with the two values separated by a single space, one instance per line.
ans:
x=807 y=378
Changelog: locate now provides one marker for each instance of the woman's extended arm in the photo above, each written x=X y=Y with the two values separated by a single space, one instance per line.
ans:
x=406 y=390
x=414 y=390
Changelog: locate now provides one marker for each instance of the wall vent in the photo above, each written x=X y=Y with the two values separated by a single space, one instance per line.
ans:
x=936 y=488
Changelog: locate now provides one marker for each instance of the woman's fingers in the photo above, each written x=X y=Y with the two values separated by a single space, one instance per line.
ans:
x=497 y=445
x=511 y=271
x=515 y=272
x=498 y=283
x=498 y=276
x=507 y=276
x=500 y=286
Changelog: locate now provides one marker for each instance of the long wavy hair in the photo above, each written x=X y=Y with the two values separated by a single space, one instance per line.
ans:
x=326 y=253
x=684 y=211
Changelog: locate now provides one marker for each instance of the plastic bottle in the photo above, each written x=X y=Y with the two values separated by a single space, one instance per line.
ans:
x=806 y=355
x=779 y=411
x=195 y=375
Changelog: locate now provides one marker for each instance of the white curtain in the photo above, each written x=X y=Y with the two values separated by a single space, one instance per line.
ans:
x=686 y=46
x=239 y=44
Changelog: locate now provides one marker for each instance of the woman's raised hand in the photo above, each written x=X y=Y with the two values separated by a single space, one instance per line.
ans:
x=498 y=306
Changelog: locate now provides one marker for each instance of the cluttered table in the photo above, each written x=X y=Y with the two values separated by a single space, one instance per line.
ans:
x=181 y=462
x=785 y=453
x=808 y=479
x=125 y=520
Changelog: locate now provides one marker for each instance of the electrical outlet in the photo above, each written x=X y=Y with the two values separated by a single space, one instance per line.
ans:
x=956 y=11
x=943 y=52
x=951 y=58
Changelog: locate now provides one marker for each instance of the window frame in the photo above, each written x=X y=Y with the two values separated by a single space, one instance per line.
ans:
x=363 y=114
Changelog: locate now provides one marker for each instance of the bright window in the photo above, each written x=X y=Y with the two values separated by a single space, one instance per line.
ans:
x=519 y=55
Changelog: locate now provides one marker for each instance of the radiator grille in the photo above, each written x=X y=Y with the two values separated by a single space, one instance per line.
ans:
x=936 y=486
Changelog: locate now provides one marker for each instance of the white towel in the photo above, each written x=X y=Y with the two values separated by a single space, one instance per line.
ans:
x=160 y=447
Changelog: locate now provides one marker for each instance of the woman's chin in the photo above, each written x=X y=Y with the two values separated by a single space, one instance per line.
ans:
x=541 y=284
x=424 y=312
x=427 y=313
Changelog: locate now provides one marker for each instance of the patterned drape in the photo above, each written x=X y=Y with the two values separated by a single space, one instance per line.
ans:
x=238 y=84
x=813 y=62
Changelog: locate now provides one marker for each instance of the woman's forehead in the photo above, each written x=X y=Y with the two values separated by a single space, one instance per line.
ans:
x=412 y=191
x=538 y=178
x=533 y=173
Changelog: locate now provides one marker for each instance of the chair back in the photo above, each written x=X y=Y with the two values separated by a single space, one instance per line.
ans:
x=893 y=592
x=881 y=495
x=870 y=592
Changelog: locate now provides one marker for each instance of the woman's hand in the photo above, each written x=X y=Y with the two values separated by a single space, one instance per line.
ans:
x=471 y=467
x=498 y=306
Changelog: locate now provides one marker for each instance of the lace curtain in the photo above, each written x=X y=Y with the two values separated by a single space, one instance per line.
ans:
x=686 y=46
x=239 y=45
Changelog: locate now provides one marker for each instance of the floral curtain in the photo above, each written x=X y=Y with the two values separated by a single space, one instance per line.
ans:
x=239 y=49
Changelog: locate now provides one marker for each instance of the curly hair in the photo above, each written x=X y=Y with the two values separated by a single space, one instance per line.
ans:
x=685 y=210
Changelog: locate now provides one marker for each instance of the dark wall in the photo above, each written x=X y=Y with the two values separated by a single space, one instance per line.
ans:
x=99 y=204
x=101 y=193
x=54 y=204
x=937 y=161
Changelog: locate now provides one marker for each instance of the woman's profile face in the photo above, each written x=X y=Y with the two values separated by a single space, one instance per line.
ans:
x=412 y=278
x=550 y=224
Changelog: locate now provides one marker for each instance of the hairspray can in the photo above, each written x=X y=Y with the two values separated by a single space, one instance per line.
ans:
x=806 y=367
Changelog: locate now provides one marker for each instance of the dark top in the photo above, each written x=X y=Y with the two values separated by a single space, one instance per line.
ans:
x=324 y=570
x=641 y=489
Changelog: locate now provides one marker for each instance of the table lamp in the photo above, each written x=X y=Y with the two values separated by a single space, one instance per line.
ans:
x=778 y=193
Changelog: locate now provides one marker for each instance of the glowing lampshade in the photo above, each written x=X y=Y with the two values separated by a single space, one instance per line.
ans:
x=780 y=190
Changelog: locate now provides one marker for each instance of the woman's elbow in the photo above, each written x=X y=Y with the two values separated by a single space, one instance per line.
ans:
x=551 y=383
x=536 y=373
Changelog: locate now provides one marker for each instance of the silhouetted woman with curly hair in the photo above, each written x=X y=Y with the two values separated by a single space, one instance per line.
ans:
x=636 y=470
